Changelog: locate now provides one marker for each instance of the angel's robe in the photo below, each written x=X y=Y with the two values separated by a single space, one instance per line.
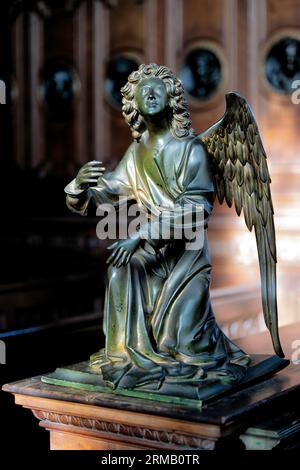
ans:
x=158 y=318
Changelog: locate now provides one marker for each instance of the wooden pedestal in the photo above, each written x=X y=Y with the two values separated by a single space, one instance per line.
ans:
x=80 y=419
x=262 y=416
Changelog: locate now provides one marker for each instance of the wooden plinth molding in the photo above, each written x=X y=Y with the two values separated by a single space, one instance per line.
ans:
x=78 y=426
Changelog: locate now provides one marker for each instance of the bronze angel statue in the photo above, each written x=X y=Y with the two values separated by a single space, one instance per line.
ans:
x=158 y=320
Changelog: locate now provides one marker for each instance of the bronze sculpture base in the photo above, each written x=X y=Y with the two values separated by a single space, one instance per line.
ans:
x=188 y=394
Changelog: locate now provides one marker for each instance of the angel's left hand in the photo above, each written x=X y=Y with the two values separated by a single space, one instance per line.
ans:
x=123 y=251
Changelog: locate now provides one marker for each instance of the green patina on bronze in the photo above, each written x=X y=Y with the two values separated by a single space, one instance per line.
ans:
x=158 y=320
x=90 y=382
x=188 y=394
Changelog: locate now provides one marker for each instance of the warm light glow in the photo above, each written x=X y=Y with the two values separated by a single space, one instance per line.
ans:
x=288 y=248
x=246 y=251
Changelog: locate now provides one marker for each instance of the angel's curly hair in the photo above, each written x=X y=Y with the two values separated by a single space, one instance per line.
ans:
x=180 y=122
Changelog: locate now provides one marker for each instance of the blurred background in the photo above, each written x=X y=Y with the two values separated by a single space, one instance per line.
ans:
x=63 y=63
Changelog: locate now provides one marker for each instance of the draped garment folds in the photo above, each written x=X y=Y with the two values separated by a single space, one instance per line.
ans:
x=158 y=319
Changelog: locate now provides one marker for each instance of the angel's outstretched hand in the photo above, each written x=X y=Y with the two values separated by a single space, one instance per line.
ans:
x=123 y=251
x=89 y=174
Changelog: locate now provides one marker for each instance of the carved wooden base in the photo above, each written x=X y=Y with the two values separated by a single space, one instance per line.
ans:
x=79 y=419
x=81 y=426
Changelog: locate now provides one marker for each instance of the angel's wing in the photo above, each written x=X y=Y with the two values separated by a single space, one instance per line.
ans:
x=241 y=175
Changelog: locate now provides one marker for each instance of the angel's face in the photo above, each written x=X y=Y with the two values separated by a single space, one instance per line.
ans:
x=151 y=96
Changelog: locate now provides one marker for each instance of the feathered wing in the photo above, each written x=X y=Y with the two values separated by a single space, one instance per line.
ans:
x=241 y=176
